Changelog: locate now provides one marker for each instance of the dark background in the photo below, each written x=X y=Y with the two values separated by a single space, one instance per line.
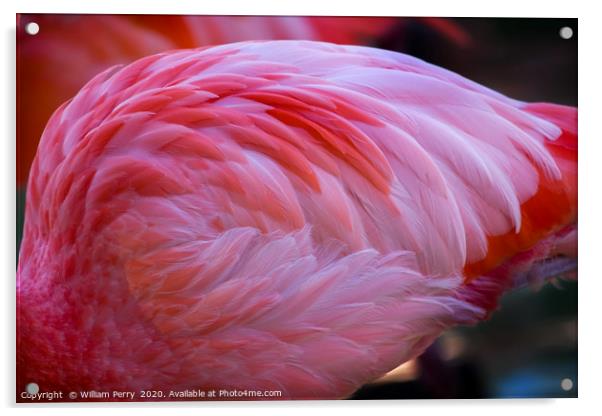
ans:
x=523 y=58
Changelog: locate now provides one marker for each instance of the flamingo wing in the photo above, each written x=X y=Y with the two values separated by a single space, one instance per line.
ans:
x=289 y=214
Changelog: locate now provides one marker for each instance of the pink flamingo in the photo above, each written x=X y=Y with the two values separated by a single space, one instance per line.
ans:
x=286 y=215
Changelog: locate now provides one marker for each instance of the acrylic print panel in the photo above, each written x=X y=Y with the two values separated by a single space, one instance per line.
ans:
x=289 y=207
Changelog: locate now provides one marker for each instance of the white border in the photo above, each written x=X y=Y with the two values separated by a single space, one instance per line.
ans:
x=506 y=8
x=590 y=209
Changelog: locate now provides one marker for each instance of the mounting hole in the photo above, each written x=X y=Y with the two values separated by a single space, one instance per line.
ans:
x=566 y=32
x=32 y=28
x=566 y=384
x=32 y=388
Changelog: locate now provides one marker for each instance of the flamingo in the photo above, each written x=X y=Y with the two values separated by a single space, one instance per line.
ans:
x=290 y=216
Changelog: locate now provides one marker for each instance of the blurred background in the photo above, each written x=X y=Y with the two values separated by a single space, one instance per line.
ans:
x=529 y=346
